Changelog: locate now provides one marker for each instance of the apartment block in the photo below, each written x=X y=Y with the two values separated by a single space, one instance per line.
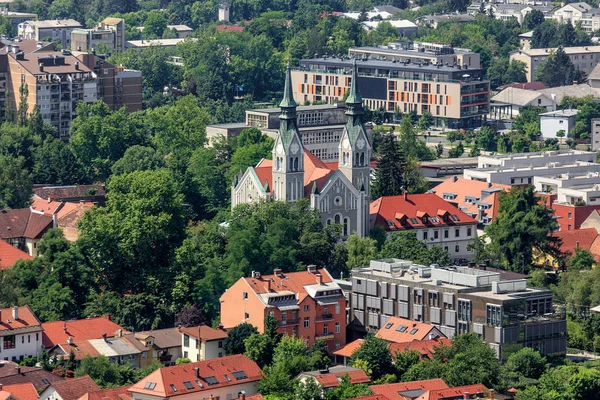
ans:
x=109 y=33
x=307 y=304
x=58 y=30
x=416 y=52
x=583 y=57
x=596 y=134
x=506 y=313
x=117 y=86
x=457 y=96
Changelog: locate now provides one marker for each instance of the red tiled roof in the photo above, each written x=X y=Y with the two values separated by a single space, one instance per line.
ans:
x=22 y=391
x=204 y=332
x=68 y=217
x=46 y=206
x=80 y=350
x=349 y=348
x=385 y=209
x=330 y=380
x=26 y=319
x=79 y=330
x=72 y=389
x=391 y=390
x=293 y=281
x=37 y=376
x=169 y=381
x=8 y=368
x=526 y=86
x=371 y=397
x=23 y=223
x=464 y=188
x=9 y=255
x=118 y=393
x=420 y=330
x=257 y=396
x=579 y=238
x=426 y=348
x=229 y=28
x=453 y=393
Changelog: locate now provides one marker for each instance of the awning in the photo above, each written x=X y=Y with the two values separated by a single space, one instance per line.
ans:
x=287 y=308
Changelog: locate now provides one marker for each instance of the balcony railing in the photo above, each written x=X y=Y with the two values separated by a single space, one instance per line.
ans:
x=325 y=336
x=324 y=317
x=289 y=322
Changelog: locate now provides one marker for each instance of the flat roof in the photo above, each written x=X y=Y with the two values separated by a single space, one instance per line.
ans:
x=347 y=62
x=541 y=154
x=464 y=161
x=229 y=125
x=561 y=113
x=568 y=50
x=156 y=42
x=277 y=110
x=388 y=50
x=56 y=23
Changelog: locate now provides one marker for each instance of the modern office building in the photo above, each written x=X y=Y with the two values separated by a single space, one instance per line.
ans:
x=505 y=313
x=583 y=57
x=457 y=96
x=58 y=30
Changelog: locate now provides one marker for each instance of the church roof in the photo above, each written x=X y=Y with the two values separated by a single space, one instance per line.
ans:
x=288 y=97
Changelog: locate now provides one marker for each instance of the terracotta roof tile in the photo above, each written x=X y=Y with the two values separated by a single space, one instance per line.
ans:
x=37 y=376
x=163 y=338
x=182 y=379
x=80 y=349
x=72 y=389
x=393 y=390
x=426 y=348
x=45 y=206
x=383 y=212
x=371 y=397
x=118 y=393
x=331 y=380
x=400 y=330
x=9 y=255
x=79 y=330
x=293 y=282
x=453 y=393
x=68 y=217
x=69 y=193
x=22 y=222
x=349 y=348
x=22 y=391
x=204 y=332
x=26 y=319
x=579 y=238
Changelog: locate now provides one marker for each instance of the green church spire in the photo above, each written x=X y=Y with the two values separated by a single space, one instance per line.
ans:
x=354 y=99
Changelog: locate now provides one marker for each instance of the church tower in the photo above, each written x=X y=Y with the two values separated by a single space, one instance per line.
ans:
x=288 y=152
x=355 y=149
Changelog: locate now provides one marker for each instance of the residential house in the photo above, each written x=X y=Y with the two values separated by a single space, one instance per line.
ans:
x=457 y=300
x=24 y=228
x=583 y=57
x=307 y=304
x=200 y=343
x=555 y=121
x=16 y=18
x=49 y=30
x=525 y=40
x=400 y=391
x=20 y=334
x=72 y=193
x=572 y=13
x=331 y=377
x=165 y=345
x=571 y=241
x=118 y=393
x=20 y=391
x=222 y=378
x=9 y=255
x=404 y=27
x=110 y=34
x=60 y=333
x=69 y=389
x=12 y=373
x=592 y=221
x=68 y=217
x=401 y=330
x=475 y=198
x=435 y=221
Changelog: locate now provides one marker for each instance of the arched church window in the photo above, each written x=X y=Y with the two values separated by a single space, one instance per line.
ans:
x=362 y=159
x=278 y=163
x=296 y=164
x=346 y=226
x=337 y=219
x=291 y=163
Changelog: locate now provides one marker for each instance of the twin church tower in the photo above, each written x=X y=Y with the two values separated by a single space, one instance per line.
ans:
x=340 y=191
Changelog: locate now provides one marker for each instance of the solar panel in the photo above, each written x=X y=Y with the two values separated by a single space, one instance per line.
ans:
x=401 y=328
x=188 y=385
x=239 y=375
x=211 y=380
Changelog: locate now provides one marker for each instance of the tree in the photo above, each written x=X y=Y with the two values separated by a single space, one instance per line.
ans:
x=558 y=70
x=522 y=227
x=190 y=316
x=360 y=251
x=581 y=260
x=347 y=390
x=524 y=365
x=560 y=134
x=234 y=343
x=309 y=389
x=533 y=19
x=155 y=24
x=404 y=360
x=15 y=182
x=137 y=158
x=457 y=151
x=182 y=360
x=389 y=172
x=104 y=372
x=375 y=353
x=406 y=246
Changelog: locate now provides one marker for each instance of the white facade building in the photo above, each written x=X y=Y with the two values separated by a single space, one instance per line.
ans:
x=55 y=30
x=20 y=334
x=553 y=122
x=202 y=343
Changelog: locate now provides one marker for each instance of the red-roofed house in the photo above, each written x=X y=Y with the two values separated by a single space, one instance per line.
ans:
x=408 y=390
x=307 y=304
x=20 y=333
x=24 y=228
x=220 y=378
x=9 y=255
x=21 y=391
x=477 y=391
x=584 y=239
x=69 y=389
x=118 y=393
x=434 y=220
x=340 y=191
x=426 y=348
x=332 y=377
x=202 y=342
x=61 y=332
x=401 y=330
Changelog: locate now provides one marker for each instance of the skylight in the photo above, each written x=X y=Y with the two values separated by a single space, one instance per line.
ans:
x=401 y=328
x=188 y=385
x=150 y=385
x=413 y=331
x=173 y=388
x=228 y=378
x=200 y=385
x=211 y=380
x=389 y=325
x=454 y=217
x=414 y=221
x=239 y=375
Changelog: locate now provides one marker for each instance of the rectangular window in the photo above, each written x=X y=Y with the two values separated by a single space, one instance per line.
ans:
x=435 y=234
x=337 y=308
x=570 y=215
x=337 y=327
x=325 y=329
x=446 y=234
x=306 y=322
x=457 y=232
x=425 y=234
x=220 y=344
x=469 y=231
x=246 y=315
x=306 y=307
x=245 y=295
x=494 y=315
x=186 y=340
x=433 y=299
x=464 y=310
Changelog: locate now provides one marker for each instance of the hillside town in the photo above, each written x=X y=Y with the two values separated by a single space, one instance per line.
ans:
x=301 y=200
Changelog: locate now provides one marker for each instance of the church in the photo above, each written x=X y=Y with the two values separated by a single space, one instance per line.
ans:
x=339 y=190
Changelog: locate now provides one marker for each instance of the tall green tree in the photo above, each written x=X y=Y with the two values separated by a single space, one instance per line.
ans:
x=558 y=70
x=389 y=172
x=375 y=353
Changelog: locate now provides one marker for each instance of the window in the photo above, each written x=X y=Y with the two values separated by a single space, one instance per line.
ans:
x=22 y=339
x=239 y=375
x=433 y=299
x=220 y=344
x=185 y=354
x=186 y=340
x=463 y=327
x=188 y=385
x=245 y=295
x=211 y=380
x=435 y=234
x=569 y=227
x=457 y=232
x=246 y=315
x=424 y=235
x=9 y=342
x=306 y=322
x=337 y=345
x=173 y=388
x=325 y=329
x=306 y=307
x=337 y=327
x=570 y=215
x=337 y=308
x=464 y=310
x=45 y=381
x=446 y=234
x=413 y=331
x=469 y=231
x=457 y=248
x=220 y=354
x=148 y=386
x=494 y=315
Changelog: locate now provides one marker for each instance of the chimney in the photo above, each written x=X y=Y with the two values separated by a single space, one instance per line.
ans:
x=489 y=185
x=104 y=336
x=405 y=195
x=15 y=313
x=119 y=332
x=0 y=387
x=491 y=393
x=42 y=70
x=454 y=178
x=268 y=285
x=108 y=317
x=77 y=65
x=277 y=272
x=312 y=269
x=319 y=279
x=197 y=372
x=70 y=341
x=242 y=395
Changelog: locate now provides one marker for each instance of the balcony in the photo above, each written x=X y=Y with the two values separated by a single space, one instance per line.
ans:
x=289 y=322
x=324 y=317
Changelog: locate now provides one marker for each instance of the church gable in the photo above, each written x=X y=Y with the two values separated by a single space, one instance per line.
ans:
x=249 y=188
x=338 y=192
